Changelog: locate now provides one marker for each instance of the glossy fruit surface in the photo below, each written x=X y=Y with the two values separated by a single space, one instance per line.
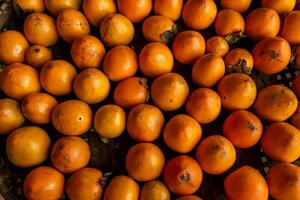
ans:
x=37 y=56
x=155 y=190
x=135 y=10
x=169 y=8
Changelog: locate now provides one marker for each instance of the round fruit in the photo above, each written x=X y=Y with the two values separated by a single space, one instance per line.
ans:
x=168 y=8
x=72 y=117
x=239 y=60
x=28 y=146
x=155 y=190
x=70 y=154
x=37 y=56
x=145 y=162
x=281 y=142
x=44 y=183
x=204 y=105
x=55 y=6
x=57 y=77
x=37 y=107
x=296 y=86
x=135 y=10
x=215 y=154
x=91 y=86
x=189 y=197
x=240 y=6
x=295 y=119
x=188 y=46
x=29 y=6
x=275 y=103
x=280 y=6
x=145 y=123
x=290 y=27
x=217 y=45
x=155 y=59
x=169 y=91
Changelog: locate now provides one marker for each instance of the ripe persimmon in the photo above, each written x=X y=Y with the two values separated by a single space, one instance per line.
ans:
x=30 y=6
x=290 y=27
x=217 y=45
x=296 y=86
x=189 y=197
x=55 y=6
x=280 y=6
x=239 y=60
x=240 y=6
x=37 y=55
x=155 y=190
x=295 y=119
x=168 y=8
x=135 y=10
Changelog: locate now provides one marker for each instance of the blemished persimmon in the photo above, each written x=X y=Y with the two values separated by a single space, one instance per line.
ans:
x=280 y=6
x=217 y=45
x=96 y=10
x=243 y=129
x=37 y=55
x=158 y=28
x=239 y=60
x=283 y=181
x=296 y=86
x=189 y=197
x=204 y=105
x=19 y=80
x=182 y=175
x=291 y=25
x=116 y=29
x=169 y=91
x=122 y=188
x=37 y=107
x=229 y=22
x=188 y=46
x=266 y=19
x=57 y=77
x=155 y=59
x=28 y=146
x=138 y=92
x=208 y=70
x=240 y=6
x=246 y=183
x=11 y=116
x=29 y=6
x=55 y=6
x=237 y=91
x=135 y=10
x=91 y=86
x=72 y=117
x=85 y=184
x=13 y=46
x=191 y=10
x=120 y=62
x=40 y=28
x=297 y=58
x=44 y=183
x=70 y=154
x=295 y=119
x=281 y=142
x=145 y=162
x=168 y=8
x=145 y=123
x=182 y=133
x=72 y=24
x=110 y=121
x=155 y=190
x=275 y=103
x=87 y=52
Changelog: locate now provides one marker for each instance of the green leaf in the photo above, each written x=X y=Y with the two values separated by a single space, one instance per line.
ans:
x=105 y=140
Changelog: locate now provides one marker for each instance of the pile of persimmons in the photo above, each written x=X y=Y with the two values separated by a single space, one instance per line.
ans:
x=35 y=86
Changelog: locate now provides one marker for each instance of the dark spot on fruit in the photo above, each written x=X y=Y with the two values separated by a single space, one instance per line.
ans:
x=37 y=50
x=185 y=177
x=251 y=126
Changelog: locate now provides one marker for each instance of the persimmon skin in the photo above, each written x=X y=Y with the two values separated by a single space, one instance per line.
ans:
x=29 y=6
x=169 y=8
x=135 y=10
x=217 y=45
x=239 y=59
x=240 y=6
x=295 y=119
x=290 y=28
x=37 y=56
x=55 y=6
x=280 y=6
x=156 y=190
x=189 y=197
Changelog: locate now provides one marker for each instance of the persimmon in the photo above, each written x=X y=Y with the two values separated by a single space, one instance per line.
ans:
x=44 y=183
x=204 y=105
x=280 y=6
x=182 y=133
x=246 y=183
x=281 y=142
x=155 y=59
x=297 y=58
x=37 y=55
x=158 y=28
x=122 y=188
x=110 y=121
x=96 y=10
x=116 y=29
x=55 y=6
x=19 y=80
x=120 y=62
x=239 y=60
x=72 y=117
x=188 y=46
x=266 y=19
x=84 y=184
x=189 y=197
x=71 y=24
x=87 y=52
x=57 y=77
x=295 y=119
x=145 y=123
x=237 y=91
x=168 y=8
x=28 y=146
x=183 y=175
x=40 y=28
x=283 y=181
x=243 y=129
x=169 y=91
x=208 y=70
x=70 y=154
x=275 y=103
x=217 y=45
x=290 y=27
x=30 y=6
x=37 y=107
x=296 y=86
x=191 y=10
x=135 y=10
x=13 y=46
x=91 y=86
x=155 y=190
x=240 y=6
